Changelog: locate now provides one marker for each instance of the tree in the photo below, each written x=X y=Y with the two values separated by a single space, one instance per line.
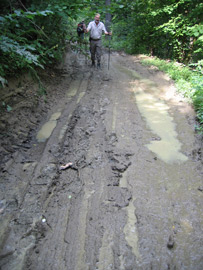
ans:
x=108 y=15
x=169 y=29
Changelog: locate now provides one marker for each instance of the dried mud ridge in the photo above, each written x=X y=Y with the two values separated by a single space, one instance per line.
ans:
x=118 y=206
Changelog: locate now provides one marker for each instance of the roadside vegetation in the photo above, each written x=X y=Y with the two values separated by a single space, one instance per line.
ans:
x=34 y=34
x=188 y=82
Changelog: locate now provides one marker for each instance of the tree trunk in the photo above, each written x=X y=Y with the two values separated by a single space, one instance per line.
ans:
x=108 y=16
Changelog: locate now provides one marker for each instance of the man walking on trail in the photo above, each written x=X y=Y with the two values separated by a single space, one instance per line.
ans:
x=96 y=28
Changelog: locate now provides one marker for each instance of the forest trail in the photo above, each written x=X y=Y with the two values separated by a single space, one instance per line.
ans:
x=132 y=198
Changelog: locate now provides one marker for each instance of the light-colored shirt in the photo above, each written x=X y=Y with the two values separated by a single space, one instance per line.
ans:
x=96 y=30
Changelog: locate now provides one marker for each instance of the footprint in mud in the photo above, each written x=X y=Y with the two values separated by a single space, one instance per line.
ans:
x=119 y=197
x=120 y=161
x=112 y=139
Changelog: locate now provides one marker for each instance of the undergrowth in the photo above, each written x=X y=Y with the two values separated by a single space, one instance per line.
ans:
x=33 y=38
x=188 y=82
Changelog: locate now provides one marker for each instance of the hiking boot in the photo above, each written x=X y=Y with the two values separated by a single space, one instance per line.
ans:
x=98 y=65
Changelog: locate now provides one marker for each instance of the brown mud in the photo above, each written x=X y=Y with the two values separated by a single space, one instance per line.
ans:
x=133 y=196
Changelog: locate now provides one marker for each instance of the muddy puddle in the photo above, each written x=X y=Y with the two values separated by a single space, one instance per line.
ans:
x=47 y=129
x=130 y=229
x=156 y=114
x=166 y=146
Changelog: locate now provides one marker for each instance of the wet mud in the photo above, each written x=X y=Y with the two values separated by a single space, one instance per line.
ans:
x=131 y=195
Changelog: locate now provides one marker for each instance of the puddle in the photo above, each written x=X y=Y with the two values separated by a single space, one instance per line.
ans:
x=64 y=128
x=46 y=130
x=106 y=256
x=29 y=166
x=114 y=118
x=130 y=230
x=123 y=180
x=161 y=123
x=81 y=95
x=122 y=262
x=80 y=254
x=129 y=72
x=72 y=91
x=168 y=148
x=83 y=86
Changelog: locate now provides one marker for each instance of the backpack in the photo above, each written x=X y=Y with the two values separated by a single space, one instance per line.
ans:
x=80 y=28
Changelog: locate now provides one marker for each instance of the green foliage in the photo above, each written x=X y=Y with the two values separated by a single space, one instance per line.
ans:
x=168 y=29
x=21 y=54
x=188 y=82
x=197 y=98
x=3 y=81
x=18 y=52
x=7 y=107
x=35 y=36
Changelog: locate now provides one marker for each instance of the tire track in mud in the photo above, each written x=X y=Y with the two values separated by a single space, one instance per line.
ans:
x=57 y=205
x=118 y=204
x=85 y=144
x=28 y=219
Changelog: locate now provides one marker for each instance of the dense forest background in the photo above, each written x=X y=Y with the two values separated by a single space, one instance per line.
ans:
x=35 y=33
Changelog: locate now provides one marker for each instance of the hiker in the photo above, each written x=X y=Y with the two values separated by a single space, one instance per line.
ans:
x=81 y=28
x=96 y=28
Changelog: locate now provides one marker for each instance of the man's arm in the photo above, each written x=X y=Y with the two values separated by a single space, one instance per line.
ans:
x=105 y=32
x=108 y=33
x=88 y=28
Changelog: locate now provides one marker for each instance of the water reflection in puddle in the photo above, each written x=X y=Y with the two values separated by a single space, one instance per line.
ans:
x=160 y=122
x=130 y=230
x=48 y=127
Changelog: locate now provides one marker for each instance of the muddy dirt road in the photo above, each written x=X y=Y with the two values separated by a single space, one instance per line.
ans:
x=133 y=196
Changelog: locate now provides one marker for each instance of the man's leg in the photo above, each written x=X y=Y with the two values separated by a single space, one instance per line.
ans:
x=99 y=52
x=93 y=51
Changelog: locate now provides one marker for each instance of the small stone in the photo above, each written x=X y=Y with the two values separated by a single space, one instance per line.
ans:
x=171 y=242
x=200 y=188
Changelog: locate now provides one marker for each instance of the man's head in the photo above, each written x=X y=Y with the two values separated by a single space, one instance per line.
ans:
x=97 y=18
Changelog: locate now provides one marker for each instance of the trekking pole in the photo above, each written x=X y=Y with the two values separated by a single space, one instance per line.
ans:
x=109 y=52
x=85 y=51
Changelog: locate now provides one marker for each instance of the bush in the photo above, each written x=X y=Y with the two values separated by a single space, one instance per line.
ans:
x=33 y=38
